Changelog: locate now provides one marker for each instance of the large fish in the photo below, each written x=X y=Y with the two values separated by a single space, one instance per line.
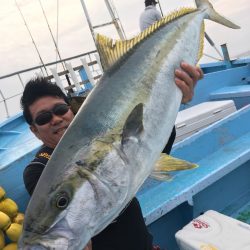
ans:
x=117 y=136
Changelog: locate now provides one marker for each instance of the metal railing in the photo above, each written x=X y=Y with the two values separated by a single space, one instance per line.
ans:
x=92 y=62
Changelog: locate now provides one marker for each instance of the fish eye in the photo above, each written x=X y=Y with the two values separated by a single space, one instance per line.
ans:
x=62 y=200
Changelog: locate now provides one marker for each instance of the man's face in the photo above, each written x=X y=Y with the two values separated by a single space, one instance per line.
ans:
x=51 y=132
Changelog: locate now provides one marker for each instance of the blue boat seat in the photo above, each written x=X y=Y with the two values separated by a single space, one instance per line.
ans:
x=240 y=94
x=7 y=137
x=231 y=91
x=222 y=141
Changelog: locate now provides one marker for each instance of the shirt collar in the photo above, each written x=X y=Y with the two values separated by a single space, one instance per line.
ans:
x=150 y=7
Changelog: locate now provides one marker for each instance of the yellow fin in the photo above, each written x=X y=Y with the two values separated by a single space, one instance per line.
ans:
x=167 y=163
x=161 y=176
x=111 y=51
x=201 y=47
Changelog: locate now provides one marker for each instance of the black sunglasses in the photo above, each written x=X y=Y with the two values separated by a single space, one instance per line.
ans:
x=45 y=117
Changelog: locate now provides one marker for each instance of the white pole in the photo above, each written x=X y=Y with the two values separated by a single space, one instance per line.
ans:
x=97 y=57
x=73 y=76
x=87 y=70
x=88 y=19
x=57 y=79
x=114 y=20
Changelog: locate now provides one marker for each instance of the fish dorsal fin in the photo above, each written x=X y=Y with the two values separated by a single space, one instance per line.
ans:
x=111 y=50
x=201 y=46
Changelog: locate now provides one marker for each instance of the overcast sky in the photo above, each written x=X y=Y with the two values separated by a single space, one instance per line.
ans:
x=17 y=51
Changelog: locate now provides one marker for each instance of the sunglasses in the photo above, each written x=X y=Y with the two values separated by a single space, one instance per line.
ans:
x=45 y=117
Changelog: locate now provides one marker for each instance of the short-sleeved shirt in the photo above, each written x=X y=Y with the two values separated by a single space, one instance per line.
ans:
x=149 y=16
x=127 y=232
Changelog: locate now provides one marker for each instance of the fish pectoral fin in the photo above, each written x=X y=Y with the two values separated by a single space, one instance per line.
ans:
x=160 y=176
x=167 y=163
x=133 y=126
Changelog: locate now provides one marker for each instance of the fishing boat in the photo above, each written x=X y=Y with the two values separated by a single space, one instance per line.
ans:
x=212 y=131
x=221 y=149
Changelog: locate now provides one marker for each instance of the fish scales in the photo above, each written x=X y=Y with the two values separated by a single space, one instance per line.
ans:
x=118 y=134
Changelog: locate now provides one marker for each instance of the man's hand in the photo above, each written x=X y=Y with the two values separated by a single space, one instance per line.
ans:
x=186 y=78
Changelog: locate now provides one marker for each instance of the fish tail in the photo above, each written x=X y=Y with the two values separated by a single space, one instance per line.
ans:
x=213 y=15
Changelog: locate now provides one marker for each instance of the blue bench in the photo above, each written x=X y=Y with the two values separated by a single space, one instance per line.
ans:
x=221 y=182
x=218 y=150
x=240 y=94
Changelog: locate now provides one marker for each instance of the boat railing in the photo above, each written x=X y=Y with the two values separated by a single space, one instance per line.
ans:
x=87 y=68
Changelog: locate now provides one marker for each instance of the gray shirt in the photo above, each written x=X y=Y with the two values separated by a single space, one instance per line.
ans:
x=149 y=16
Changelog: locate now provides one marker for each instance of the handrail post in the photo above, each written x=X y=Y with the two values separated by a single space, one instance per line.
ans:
x=20 y=80
x=57 y=79
x=87 y=70
x=5 y=104
x=226 y=55
x=73 y=76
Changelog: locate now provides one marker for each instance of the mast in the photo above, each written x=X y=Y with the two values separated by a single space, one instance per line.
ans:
x=115 y=20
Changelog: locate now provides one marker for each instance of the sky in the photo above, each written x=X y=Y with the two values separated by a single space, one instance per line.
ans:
x=69 y=27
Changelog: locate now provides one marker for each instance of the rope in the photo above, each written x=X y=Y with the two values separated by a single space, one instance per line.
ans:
x=57 y=24
x=57 y=50
x=41 y=60
x=216 y=58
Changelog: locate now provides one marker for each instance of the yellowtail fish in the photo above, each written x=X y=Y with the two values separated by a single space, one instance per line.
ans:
x=117 y=136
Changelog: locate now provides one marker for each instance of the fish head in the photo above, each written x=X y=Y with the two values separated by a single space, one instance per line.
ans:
x=54 y=223
x=65 y=214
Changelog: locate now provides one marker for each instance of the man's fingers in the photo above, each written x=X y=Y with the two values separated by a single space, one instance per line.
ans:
x=201 y=73
x=194 y=72
x=186 y=79
x=187 y=92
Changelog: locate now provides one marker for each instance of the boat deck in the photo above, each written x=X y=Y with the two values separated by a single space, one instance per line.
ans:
x=221 y=182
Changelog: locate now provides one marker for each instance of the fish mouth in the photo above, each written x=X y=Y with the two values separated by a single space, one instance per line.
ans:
x=31 y=241
x=56 y=238
x=32 y=247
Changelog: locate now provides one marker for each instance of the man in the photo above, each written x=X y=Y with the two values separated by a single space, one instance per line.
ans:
x=149 y=15
x=47 y=111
